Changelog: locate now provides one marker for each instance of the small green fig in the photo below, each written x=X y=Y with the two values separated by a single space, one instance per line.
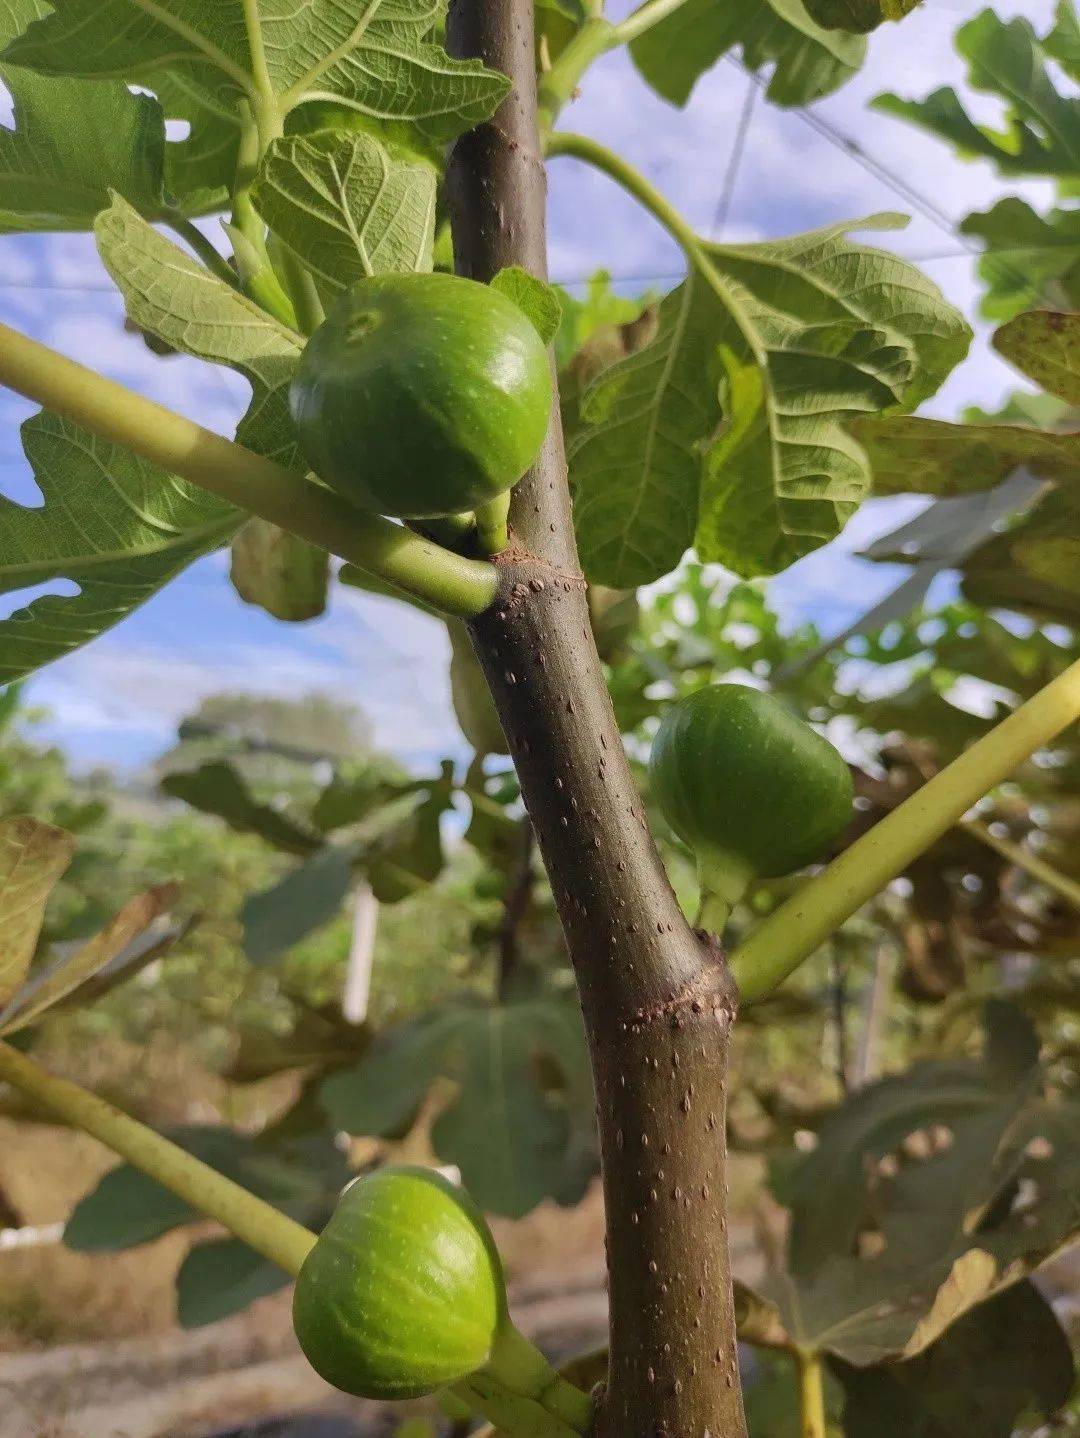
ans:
x=403 y=1295
x=403 y=1292
x=754 y=791
x=422 y=396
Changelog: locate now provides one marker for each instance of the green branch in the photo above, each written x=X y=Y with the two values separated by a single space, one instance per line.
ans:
x=188 y=231
x=1067 y=889
x=581 y=147
x=449 y=582
x=595 y=38
x=793 y=931
x=811 y=1393
x=644 y=18
x=280 y=1239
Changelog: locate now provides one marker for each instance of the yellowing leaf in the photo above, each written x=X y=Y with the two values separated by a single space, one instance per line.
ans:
x=32 y=858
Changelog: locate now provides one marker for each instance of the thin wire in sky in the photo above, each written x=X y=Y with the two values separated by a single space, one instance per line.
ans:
x=738 y=149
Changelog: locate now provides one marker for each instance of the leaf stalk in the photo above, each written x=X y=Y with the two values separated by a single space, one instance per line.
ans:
x=449 y=582
x=793 y=931
x=280 y=1239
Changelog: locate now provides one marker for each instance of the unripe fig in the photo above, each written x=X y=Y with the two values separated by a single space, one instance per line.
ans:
x=422 y=395
x=754 y=791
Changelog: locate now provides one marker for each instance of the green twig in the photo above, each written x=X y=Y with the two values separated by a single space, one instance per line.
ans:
x=811 y=1393
x=581 y=147
x=449 y=582
x=301 y=289
x=793 y=931
x=595 y=38
x=556 y=88
x=190 y=233
x=280 y=1239
x=644 y=18
x=1066 y=888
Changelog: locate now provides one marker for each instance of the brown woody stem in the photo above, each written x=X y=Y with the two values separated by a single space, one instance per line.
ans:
x=657 y=998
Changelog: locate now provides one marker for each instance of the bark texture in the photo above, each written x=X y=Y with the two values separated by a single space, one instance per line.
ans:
x=657 y=998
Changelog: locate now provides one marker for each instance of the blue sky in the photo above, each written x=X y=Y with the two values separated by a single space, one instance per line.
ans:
x=119 y=700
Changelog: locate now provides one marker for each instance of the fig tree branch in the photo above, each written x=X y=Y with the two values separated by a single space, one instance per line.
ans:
x=453 y=584
x=793 y=931
x=657 y=1000
x=280 y=1239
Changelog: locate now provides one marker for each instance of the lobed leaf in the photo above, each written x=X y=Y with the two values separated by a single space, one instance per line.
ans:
x=808 y=61
x=1028 y=259
x=1005 y=58
x=73 y=142
x=378 y=58
x=116 y=525
x=514 y=1140
x=1000 y=1361
x=728 y=430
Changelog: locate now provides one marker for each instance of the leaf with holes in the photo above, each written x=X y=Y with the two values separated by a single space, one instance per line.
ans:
x=378 y=59
x=346 y=207
x=519 y=1124
x=808 y=61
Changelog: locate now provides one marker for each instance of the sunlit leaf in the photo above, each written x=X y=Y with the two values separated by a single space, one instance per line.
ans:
x=72 y=143
x=346 y=207
x=115 y=524
x=1042 y=127
x=383 y=62
x=728 y=430
x=533 y=297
